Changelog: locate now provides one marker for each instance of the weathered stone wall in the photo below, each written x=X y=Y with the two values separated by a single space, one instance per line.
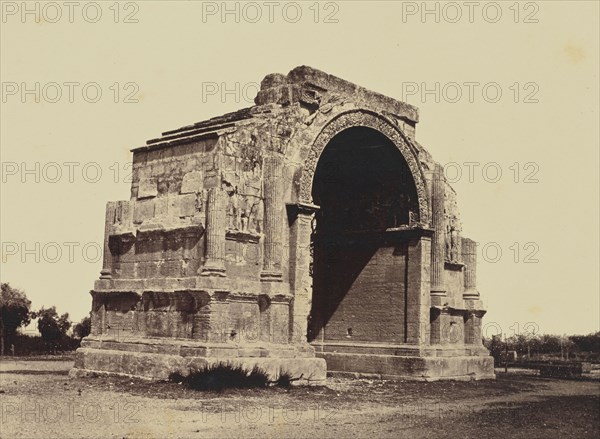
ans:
x=214 y=245
x=369 y=303
x=170 y=195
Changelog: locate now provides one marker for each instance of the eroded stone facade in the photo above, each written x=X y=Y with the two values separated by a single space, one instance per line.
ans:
x=310 y=227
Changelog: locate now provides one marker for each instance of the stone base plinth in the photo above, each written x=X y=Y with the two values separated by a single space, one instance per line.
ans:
x=151 y=359
x=403 y=362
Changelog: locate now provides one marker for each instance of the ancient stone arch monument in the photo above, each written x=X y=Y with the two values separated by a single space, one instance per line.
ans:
x=309 y=232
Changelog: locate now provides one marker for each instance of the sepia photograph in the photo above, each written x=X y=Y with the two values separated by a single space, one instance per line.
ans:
x=299 y=219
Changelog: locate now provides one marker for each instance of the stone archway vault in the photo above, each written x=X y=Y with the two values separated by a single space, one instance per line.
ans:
x=418 y=234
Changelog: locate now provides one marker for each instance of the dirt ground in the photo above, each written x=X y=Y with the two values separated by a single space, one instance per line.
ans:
x=39 y=400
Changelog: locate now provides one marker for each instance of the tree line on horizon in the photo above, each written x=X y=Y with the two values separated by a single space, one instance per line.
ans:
x=534 y=347
x=16 y=312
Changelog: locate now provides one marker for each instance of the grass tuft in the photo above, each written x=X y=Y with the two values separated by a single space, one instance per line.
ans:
x=218 y=377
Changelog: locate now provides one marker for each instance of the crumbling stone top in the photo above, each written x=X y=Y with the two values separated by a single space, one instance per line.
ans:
x=307 y=85
x=303 y=85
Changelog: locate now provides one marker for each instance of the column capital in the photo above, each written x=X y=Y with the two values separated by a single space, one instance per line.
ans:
x=300 y=209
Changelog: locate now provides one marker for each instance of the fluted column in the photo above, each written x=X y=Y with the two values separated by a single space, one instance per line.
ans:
x=273 y=218
x=469 y=256
x=458 y=244
x=438 y=245
x=109 y=219
x=470 y=294
x=215 y=234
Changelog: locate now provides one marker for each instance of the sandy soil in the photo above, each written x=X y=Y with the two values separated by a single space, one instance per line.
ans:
x=39 y=400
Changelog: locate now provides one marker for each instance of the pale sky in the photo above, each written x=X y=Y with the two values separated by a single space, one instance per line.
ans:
x=545 y=144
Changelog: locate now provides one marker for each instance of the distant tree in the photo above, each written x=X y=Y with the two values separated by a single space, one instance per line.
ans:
x=51 y=325
x=550 y=344
x=587 y=343
x=567 y=347
x=14 y=312
x=83 y=328
x=522 y=344
x=535 y=345
x=496 y=347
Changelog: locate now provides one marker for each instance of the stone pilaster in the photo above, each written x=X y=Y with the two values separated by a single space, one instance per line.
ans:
x=300 y=258
x=438 y=245
x=419 y=296
x=439 y=325
x=457 y=239
x=219 y=330
x=98 y=314
x=215 y=234
x=469 y=257
x=470 y=295
x=266 y=329
x=109 y=219
x=202 y=315
x=279 y=313
x=273 y=219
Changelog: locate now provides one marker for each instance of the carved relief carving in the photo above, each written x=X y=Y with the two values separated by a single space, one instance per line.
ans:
x=453 y=249
x=244 y=189
x=272 y=136
x=244 y=212
x=453 y=228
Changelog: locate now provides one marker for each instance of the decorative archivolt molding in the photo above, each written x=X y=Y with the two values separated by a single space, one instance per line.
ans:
x=363 y=118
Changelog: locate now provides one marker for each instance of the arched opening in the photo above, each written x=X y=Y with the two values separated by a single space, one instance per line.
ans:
x=365 y=191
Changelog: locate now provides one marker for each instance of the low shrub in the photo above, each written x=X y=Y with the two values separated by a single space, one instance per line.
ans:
x=218 y=377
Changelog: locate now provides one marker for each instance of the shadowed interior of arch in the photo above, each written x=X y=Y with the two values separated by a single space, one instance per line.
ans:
x=363 y=187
